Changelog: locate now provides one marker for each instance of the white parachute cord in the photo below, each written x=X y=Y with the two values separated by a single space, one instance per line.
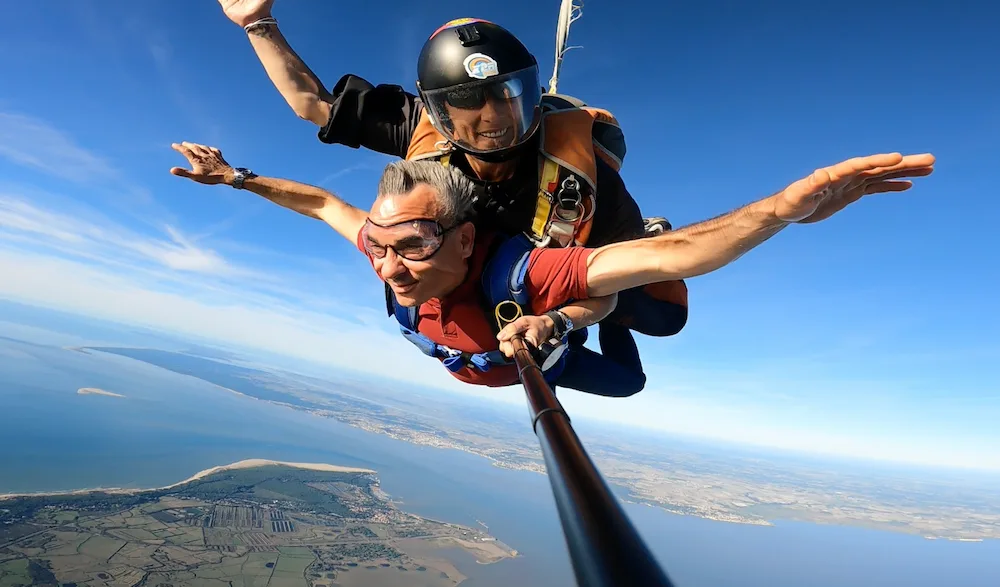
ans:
x=568 y=14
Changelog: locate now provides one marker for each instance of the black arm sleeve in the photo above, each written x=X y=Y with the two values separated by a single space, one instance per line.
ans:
x=617 y=217
x=381 y=118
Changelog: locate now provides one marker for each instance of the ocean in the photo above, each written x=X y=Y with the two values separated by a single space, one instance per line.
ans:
x=170 y=426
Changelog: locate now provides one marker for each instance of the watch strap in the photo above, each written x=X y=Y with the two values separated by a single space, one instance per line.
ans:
x=559 y=320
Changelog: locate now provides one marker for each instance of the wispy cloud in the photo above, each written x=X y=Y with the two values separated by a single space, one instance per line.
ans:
x=109 y=271
x=186 y=256
x=57 y=251
x=33 y=143
x=74 y=231
x=24 y=222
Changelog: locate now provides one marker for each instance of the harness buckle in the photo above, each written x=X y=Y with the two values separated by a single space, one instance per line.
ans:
x=567 y=213
x=480 y=362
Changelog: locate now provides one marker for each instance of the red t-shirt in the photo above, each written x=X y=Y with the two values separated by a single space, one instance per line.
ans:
x=554 y=277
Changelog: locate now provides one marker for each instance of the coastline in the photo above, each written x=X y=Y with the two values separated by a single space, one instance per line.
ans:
x=633 y=493
x=244 y=464
x=485 y=552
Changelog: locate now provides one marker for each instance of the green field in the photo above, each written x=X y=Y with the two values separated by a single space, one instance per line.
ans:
x=15 y=574
x=291 y=567
x=270 y=526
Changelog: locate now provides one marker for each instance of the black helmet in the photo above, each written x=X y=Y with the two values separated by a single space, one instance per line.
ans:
x=480 y=86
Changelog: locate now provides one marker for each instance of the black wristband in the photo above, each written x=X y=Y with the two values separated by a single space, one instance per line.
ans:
x=560 y=325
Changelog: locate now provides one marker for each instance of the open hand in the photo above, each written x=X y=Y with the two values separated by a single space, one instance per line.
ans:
x=831 y=189
x=243 y=12
x=207 y=164
x=534 y=329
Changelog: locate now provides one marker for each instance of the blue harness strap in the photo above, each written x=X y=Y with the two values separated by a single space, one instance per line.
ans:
x=503 y=275
x=502 y=280
x=452 y=359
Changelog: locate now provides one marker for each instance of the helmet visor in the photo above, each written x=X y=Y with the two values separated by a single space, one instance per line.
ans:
x=490 y=115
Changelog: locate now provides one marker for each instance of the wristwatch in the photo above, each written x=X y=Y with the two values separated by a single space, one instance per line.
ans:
x=241 y=174
x=562 y=322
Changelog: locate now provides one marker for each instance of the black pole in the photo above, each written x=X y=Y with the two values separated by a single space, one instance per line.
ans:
x=604 y=547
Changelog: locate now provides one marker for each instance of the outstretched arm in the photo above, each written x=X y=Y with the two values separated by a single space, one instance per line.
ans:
x=208 y=167
x=298 y=85
x=704 y=247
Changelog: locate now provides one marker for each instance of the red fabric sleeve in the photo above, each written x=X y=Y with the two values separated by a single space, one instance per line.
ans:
x=556 y=276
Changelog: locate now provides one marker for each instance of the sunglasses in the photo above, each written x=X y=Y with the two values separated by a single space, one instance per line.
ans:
x=414 y=240
x=475 y=97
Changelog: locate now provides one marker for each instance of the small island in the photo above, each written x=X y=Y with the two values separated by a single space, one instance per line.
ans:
x=97 y=391
x=251 y=523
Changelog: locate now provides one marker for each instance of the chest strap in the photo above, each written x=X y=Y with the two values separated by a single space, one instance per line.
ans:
x=552 y=202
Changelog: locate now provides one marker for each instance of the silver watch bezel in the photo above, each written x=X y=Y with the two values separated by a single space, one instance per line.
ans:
x=240 y=174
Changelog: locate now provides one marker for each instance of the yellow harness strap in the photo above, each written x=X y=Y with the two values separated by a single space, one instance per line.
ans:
x=547 y=184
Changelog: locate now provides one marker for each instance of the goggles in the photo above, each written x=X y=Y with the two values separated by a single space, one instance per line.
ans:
x=414 y=240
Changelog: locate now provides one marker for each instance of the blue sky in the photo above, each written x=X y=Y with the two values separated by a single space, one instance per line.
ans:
x=870 y=335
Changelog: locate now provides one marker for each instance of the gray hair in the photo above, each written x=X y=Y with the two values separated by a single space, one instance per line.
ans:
x=455 y=191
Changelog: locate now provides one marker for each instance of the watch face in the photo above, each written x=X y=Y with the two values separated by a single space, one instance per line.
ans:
x=239 y=174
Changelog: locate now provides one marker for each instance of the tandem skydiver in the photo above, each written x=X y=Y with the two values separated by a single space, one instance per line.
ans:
x=543 y=165
x=449 y=278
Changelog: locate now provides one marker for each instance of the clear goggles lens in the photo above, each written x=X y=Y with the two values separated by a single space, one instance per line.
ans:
x=415 y=240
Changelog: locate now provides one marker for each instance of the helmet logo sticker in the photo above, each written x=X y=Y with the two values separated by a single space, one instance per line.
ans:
x=481 y=66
